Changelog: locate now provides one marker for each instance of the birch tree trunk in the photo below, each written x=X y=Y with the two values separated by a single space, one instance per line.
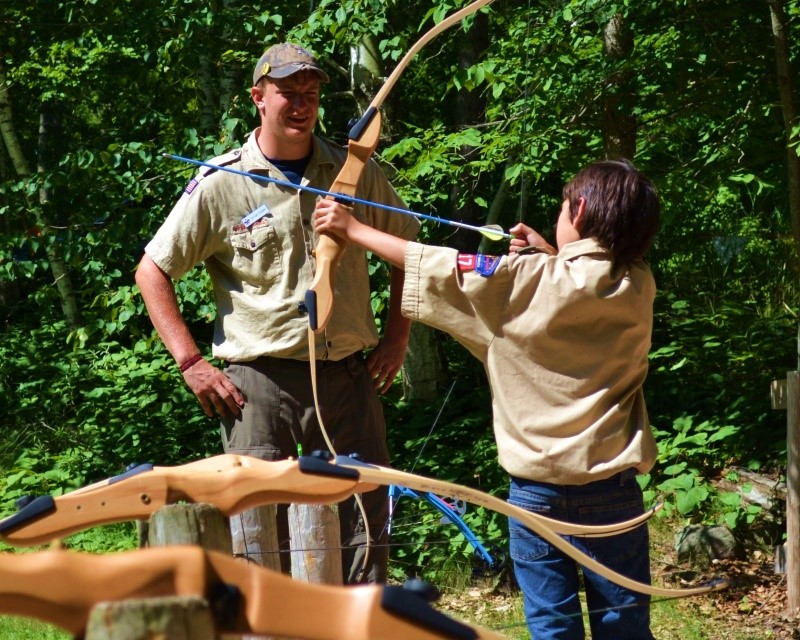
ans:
x=619 y=126
x=58 y=267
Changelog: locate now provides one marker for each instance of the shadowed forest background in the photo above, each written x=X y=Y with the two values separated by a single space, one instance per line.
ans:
x=486 y=125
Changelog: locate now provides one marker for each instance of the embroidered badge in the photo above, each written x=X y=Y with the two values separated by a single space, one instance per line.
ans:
x=485 y=265
x=466 y=262
x=191 y=186
x=255 y=215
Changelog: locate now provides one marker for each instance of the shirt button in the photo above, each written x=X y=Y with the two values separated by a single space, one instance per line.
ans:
x=306 y=222
x=252 y=244
x=329 y=344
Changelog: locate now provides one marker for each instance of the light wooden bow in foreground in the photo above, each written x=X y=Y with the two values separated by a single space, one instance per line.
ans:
x=61 y=587
x=369 y=473
x=234 y=483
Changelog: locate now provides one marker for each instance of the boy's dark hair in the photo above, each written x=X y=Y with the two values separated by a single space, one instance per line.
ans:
x=622 y=209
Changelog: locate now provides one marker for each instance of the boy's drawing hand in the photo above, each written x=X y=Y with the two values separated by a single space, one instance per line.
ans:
x=525 y=237
x=333 y=217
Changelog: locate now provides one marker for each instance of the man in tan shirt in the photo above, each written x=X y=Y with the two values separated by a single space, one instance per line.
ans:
x=564 y=337
x=256 y=241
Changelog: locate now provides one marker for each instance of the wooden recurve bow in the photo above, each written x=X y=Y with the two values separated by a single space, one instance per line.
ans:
x=61 y=587
x=363 y=140
x=233 y=483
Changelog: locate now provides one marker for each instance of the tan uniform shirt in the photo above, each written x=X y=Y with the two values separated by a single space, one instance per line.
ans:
x=565 y=346
x=262 y=270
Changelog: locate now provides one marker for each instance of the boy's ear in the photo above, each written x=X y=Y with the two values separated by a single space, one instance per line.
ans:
x=577 y=221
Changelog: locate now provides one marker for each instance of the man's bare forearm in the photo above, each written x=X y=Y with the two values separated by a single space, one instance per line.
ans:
x=159 y=297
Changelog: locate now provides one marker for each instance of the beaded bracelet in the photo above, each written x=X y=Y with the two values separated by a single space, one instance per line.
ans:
x=191 y=362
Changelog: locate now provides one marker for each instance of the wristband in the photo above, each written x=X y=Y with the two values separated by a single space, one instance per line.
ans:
x=186 y=364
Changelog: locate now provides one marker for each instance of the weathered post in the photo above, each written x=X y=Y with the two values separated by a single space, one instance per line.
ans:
x=793 y=491
x=172 y=618
x=786 y=395
x=257 y=536
x=316 y=543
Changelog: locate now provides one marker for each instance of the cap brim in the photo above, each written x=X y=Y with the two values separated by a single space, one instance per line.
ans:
x=290 y=70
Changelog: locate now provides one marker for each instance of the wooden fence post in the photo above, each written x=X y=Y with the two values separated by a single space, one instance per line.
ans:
x=316 y=543
x=793 y=491
x=171 y=618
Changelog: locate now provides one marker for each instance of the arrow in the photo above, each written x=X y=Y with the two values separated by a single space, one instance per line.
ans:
x=491 y=231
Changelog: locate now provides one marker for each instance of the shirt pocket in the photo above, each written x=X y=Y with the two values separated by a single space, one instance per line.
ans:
x=256 y=253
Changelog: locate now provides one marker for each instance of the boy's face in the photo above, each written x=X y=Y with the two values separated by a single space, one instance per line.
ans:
x=566 y=229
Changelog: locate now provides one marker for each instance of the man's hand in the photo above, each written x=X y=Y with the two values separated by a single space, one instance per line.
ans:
x=384 y=362
x=214 y=390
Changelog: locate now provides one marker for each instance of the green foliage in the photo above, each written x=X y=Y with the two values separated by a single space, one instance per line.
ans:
x=135 y=79
x=686 y=453
x=451 y=441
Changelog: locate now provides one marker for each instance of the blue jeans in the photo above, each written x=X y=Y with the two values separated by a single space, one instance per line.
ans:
x=549 y=579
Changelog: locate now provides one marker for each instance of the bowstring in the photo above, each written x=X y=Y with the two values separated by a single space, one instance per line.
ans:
x=388 y=524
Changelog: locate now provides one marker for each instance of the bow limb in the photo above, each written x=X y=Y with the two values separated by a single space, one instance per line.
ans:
x=61 y=587
x=379 y=475
x=369 y=473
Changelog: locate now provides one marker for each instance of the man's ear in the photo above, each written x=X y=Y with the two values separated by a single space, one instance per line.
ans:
x=257 y=94
x=577 y=220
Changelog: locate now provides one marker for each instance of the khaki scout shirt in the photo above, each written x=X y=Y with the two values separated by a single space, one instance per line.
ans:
x=564 y=343
x=261 y=272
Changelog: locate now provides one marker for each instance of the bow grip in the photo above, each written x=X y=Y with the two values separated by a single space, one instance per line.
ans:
x=317 y=466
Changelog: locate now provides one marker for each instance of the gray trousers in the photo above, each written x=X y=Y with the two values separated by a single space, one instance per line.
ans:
x=279 y=418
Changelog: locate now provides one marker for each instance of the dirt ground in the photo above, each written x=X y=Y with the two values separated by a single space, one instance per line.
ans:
x=755 y=603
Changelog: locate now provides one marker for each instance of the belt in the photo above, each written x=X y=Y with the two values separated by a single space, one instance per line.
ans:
x=291 y=363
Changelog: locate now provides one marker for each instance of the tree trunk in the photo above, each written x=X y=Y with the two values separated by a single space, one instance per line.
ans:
x=58 y=267
x=619 y=126
x=786 y=91
x=208 y=102
x=425 y=367
x=366 y=73
x=470 y=109
x=229 y=74
x=9 y=289
x=50 y=133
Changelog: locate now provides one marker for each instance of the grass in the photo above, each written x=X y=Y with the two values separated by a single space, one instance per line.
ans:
x=16 y=628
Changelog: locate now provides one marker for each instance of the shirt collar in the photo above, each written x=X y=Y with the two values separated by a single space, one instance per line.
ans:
x=583 y=247
x=253 y=159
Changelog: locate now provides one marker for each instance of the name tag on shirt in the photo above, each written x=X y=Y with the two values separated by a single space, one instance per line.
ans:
x=255 y=215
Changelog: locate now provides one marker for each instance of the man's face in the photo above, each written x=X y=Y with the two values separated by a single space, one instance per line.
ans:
x=289 y=107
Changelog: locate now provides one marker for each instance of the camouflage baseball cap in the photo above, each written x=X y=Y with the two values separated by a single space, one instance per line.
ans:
x=282 y=60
